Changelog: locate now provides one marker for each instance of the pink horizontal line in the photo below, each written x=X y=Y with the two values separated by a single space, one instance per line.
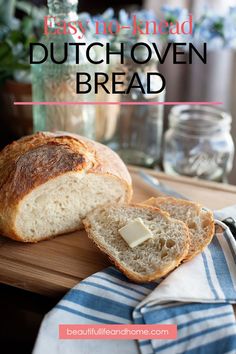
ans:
x=116 y=103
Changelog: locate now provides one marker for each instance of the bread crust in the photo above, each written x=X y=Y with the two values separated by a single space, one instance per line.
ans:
x=208 y=238
x=36 y=159
x=209 y=224
x=133 y=276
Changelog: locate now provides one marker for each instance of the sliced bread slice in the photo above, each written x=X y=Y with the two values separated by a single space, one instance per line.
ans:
x=199 y=221
x=150 y=260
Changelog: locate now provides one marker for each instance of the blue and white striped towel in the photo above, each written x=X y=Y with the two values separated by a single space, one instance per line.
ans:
x=197 y=296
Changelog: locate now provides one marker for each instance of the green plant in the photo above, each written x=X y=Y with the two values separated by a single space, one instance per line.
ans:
x=15 y=36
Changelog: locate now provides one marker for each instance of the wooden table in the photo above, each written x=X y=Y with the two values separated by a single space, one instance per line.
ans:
x=52 y=267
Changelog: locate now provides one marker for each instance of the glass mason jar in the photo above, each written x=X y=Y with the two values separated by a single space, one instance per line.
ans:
x=53 y=82
x=198 y=143
x=133 y=131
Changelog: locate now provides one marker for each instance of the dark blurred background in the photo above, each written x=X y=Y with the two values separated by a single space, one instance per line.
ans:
x=95 y=7
x=215 y=81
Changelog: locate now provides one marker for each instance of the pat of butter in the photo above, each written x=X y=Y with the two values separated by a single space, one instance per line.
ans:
x=135 y=233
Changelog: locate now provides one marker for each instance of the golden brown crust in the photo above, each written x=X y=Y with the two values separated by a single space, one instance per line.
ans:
x=210 y=224
x=181 y=202
x=135 y=277
x=36 y=159
x=207 y=218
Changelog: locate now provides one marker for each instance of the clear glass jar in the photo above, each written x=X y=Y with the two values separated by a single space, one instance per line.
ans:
x=57 y=82
x=198 y=143
x=133 y=131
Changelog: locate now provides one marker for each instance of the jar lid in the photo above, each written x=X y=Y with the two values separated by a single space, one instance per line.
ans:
x=199 y=120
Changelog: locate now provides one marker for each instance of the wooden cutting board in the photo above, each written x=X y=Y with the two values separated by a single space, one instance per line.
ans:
x=52 y=267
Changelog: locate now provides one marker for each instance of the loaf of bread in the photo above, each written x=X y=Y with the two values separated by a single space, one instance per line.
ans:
x=49 y=182
x=199 y=221
x=150 y=260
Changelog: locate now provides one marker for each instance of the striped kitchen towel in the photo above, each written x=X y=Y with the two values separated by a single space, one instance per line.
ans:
x=197 y=297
